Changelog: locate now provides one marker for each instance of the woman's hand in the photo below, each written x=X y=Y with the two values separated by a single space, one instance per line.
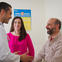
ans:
x=25 y=58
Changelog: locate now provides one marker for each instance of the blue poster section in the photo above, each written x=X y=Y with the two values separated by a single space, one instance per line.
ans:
x=22 y=12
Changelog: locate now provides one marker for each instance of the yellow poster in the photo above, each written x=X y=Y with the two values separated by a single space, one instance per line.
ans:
x=26 y=16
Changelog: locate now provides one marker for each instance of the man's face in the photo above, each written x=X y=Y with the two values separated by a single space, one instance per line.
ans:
x=51 y=27
x=7 y=16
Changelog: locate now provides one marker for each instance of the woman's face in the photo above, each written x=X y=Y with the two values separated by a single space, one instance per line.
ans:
x=17 y=24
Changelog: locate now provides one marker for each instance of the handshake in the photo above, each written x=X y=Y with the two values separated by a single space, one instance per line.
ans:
x=25 y=57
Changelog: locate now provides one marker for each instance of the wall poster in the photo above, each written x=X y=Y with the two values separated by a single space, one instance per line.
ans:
x=26 y=16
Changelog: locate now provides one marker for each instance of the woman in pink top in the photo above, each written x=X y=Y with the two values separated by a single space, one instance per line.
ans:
x=19 y=40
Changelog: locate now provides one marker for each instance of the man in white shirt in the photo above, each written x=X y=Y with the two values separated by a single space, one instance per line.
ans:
x=5 y=54
x=52 y=50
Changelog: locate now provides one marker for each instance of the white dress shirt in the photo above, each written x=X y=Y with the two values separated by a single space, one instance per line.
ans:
x=5 y=54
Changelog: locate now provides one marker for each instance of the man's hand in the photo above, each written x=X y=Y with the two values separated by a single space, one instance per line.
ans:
x=16 y=53
x=26 y=58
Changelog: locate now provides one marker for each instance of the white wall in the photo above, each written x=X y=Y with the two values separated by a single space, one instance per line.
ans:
x=53 y=8
x=37 y=13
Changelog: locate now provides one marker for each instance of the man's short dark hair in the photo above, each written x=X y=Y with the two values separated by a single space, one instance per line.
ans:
x=5 y=6
x=58 y=22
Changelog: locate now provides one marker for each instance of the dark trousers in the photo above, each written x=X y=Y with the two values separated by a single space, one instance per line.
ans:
x=20 y=61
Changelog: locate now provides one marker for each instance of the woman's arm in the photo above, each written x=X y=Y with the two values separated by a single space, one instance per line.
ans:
x=30 y=46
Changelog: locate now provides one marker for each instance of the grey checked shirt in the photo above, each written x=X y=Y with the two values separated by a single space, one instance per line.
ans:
x=52 y=50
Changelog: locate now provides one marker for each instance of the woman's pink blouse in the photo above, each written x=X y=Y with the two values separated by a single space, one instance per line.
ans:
x=20 y=46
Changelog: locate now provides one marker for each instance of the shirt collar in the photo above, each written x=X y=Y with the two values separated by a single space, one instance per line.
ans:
x=1 y=24
x=54 y=37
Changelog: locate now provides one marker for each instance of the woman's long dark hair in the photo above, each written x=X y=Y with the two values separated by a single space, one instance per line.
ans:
x=22 y=29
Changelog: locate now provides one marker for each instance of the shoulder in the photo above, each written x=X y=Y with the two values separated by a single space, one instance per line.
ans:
x=27 y=35
x=9 y=33
x=59 y=38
